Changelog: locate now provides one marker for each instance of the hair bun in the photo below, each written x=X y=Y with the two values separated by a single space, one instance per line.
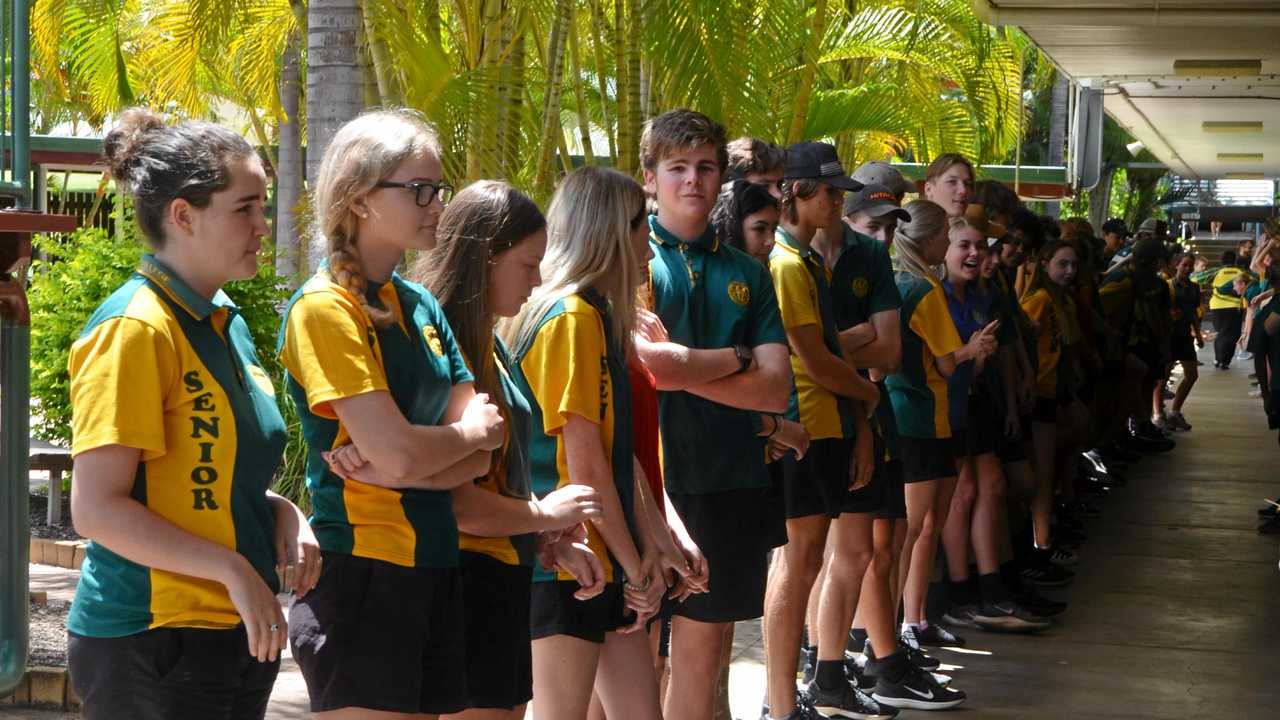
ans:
x=120 y=147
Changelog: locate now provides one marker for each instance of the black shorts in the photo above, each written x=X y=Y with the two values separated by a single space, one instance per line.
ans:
x=959 y=442
x=986 y=426
x=1017 y=449
x=816 y=484
x=1046 y=410
x=893 y=505
x=1182 y=347
x=170 y=673
x=553 y=610
x=926 y=458
x=499 y=658
x=377 y=635
x=734 y=529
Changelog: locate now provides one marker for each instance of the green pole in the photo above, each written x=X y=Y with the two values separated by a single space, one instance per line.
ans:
x=15 y=396
x=22 y=100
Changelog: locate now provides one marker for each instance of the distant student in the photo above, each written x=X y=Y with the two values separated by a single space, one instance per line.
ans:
x=756 y=161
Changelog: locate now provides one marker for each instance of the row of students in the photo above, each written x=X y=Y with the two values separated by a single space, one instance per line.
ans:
x=490 y=521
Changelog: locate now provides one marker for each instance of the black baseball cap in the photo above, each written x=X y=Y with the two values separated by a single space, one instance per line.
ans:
x=1117 y=226
x=875 y=201
x=818 y=161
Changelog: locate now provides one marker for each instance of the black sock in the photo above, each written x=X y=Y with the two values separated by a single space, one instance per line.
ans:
x=857 y=640
x=894 y=667
x=993 y=588
x=830 y=674
x=958 y=591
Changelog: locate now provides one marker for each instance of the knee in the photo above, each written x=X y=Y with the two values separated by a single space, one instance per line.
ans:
x=882 y=561
x=929 y=528
x=993 y=489
x=804 y=559
x=965 y=494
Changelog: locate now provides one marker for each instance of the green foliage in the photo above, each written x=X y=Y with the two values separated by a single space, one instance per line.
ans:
x=79 y=270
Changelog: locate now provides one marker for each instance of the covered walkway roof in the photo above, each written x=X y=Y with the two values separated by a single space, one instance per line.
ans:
x=1197 y=81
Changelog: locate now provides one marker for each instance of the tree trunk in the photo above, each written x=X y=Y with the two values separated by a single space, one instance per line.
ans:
x=551 y=102
x=579 y=96
x=335 y=79
x=804 y=90
x=482 y=150
x=635 y=100
x=1057 y=132
x=622 y=43
x=512 y=136
x=389 y=94
x=597 y=49
x=289 y=170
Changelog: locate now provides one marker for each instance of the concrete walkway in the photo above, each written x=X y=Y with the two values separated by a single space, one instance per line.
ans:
x=1175 y=612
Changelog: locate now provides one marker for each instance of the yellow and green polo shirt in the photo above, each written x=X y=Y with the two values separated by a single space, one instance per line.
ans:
x=1045 y=312
x=571 y=367
x=332 y=350
x=160 y=368
x=513 y=466
x=710 y=295
x=1224 y=296
x=861 y=286
x=918 y=391
x=803 y=285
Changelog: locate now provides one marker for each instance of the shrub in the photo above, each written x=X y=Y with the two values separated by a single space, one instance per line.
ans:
x=78 y=272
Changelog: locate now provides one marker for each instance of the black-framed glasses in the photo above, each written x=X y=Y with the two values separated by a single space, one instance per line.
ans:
x=423 y=192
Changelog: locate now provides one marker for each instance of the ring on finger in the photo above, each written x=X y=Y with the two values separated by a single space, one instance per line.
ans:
x=275 y=627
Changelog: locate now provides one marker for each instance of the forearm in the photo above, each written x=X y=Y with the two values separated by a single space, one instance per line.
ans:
x=646 y=507
x=880 y=353
x=677 y=367
x=488 y=514
x=613 y=525
x=855 y=338
x=756 y=389
x=131 y=530
x=839 y=377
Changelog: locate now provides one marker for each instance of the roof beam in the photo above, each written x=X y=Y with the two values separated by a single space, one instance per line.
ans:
x=992 y=14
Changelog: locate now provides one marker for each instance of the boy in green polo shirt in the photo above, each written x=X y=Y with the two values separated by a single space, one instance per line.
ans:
x=718 y=303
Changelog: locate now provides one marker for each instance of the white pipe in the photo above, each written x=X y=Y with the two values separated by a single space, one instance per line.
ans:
x=1112 y=17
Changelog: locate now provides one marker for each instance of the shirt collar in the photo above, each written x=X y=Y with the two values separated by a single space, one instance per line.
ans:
x=179 y=291
x=787 y=242
x=708 y=241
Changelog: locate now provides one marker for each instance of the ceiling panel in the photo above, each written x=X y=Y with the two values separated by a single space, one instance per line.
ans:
x=1129 y=49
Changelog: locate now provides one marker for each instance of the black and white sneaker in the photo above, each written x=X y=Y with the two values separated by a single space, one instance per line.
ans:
x=803 y=711
x=937 y=636
x=911 y=643
x=1046 y=574
x=916 y=691
x=958 y=616
x=1009 y=617
x=847 y=701
x=1062 y=557
x=808 y=663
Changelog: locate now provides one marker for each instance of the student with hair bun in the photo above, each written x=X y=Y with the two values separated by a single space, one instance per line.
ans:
x=176 y=438
x=372 y=362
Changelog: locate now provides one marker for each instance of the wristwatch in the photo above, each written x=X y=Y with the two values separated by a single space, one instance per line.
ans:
x=744 y=357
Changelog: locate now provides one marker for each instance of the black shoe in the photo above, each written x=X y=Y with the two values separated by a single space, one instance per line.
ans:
x=1117 y=455
x=937 y=636
x=808 y=663
x=803 y=711
x=1270 y=526
x=847 y=701
x=857 y=639
x=1268 y=511
x=911 y=643
x=960 y=616
x=1067 y=536
x=1063 y=557
x=916 y=690
x=1008 y=616
x=1045 y=574
x=1038 y=604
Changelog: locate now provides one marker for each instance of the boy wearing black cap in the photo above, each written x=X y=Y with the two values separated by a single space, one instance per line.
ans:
x=874 y=212
x=718 y=306
x=833 y=481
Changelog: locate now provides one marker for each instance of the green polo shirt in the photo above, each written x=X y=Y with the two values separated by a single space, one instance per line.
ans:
x=710 y=295
x=165 y=370
x=862 y=285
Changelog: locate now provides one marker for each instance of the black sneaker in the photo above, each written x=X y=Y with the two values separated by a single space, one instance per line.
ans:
x=1009 y=617
x=1046 y=574
x=847 y=701
x=857 y=638
x=1270 y=526
x=1037 y=604
x=1062 y=557
x=803 y=711
x=917 y=691
x=959 y=616
x=911 y=643
x=937 y=636
x=808 y=663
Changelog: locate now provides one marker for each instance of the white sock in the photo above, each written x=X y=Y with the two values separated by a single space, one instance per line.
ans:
x=924 y=625
x=910 y=626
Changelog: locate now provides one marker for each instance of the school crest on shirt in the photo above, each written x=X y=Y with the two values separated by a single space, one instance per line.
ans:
x=861 y=287
x=739 y=293
x=262 y=380
x=432 y=337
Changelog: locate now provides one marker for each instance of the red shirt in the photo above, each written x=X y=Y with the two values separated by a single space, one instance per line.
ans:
x=644 y=425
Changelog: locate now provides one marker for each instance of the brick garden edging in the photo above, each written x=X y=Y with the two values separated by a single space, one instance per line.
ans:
x=67 y=554
x=44 y=687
